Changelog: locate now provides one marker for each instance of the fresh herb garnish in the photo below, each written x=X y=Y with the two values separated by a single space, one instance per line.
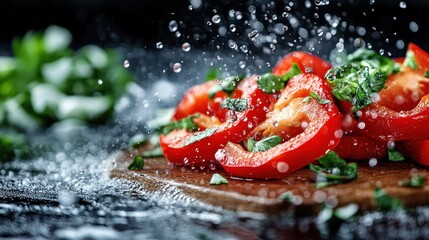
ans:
x=342 y=213
x=333 y=170
x=137 y=140
x=266 y=143
x=212 y=74
x=137 y=163
x=319 y=99
x=410 y=60
x=394 y=155
x=200 y=135
x=269 y=83
x=218 y=179
x=364 y=75
x=184 y=123
x=250 y=144
x=228 y=85
x=387 y=203
x=156 y=152
x=426 y=75
x=416 y=181
x=235 y=104
x=287 y=197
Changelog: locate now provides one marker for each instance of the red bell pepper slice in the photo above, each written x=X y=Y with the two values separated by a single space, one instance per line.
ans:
x=178 y=152
x=361 y=148
x=418 y=150
x=318 y=136
x=307 y=63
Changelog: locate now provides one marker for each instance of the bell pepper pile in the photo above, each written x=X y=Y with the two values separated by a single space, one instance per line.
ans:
x=270 y=125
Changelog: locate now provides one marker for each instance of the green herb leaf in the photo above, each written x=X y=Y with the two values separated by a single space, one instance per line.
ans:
x=228 y=85
x=319 y=99
x=235 y=104
x=287 y=197
x=212 y=74
x=184 y=123
x=387 y=203
x=218 y=179
x=156 y=152
x=200 y=135
x=426 y=75
x=333 y=170
x=137 y=141
x=137 y=164
x=267 y=143
x=269 y=83
x=394 y=155
x=410 y=60
x=364 y=75
x=416 y=181
x=250 y=144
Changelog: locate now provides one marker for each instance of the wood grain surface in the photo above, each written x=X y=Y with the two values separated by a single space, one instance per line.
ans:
x=262 y=196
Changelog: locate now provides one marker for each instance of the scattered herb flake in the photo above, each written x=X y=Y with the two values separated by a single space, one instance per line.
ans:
x=292 y=72
x=319 y=99
x=416 y=181
x=287 y=197
x=333 y=170
x=228 y=85
x=137 y=164
x=387 y=203
x=184 y=123
x=410 y=61
x=267 y=143
x=250 y=144
x=395 y=156
x=212 y=74
x=200 y=135
x=269 y=83
x=218 y=179
x=426 y=75
x=235 y=104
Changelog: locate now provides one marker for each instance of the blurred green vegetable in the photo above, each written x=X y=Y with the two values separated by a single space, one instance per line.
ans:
x=46 y=81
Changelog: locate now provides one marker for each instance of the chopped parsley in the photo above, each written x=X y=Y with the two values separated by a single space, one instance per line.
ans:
x=395 y=156
x=137 y=163
x=317 y=97
x=212 y=74
x=387 y=203
x=200 y=135
x=269 y=83
x=218 y=179
x=416 y=181
x=364 y=75
x=333 y=170
x=184 y=123
x=228 y=85
x=235 y=104
x=264 y=144
x=426 y=75
x=410 y=60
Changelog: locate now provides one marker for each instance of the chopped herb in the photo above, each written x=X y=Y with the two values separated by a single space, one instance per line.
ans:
x=333 y=170
x=156 y=152
x=267 y=143
x=287 y=197
x=212 y=74
x=364 y=75
x=317 y=97
x=410 y=61
x=395 y=156
x=228 y=85
x=416 y=181
x=387 y=203
x=270 y=83
x=137 y=164
x=218 y=179
x=184 y=123
x=426 y=75
x=137 y=140
x=200 y=135
x=342 y=213
x=250 y=144
x=235 y=104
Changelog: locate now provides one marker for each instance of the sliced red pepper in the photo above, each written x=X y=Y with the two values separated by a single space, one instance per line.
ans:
x=178 y=152
x=361 y=148
x=308 y=63
x=421 y=57
x=418 y=150
x=318 y=135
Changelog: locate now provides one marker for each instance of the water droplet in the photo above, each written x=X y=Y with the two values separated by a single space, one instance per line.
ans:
x=196 y=3
x=242 y=64
x=159 y=45
x=403 y=5
x=253 y=35
x=126 y=64
x=319 y=32
x=400 y=44
x=321 y=2
x=372 y=162
x=391 y=145
x=232 y=44
x=216 y=19
x=186 y=47
x=414 y=27
x=232 y=28
x=100 y=82
x=177 y=67
x=173 y=26
x=282 y=167
x=238 y=15
x=361 y=125
x=244 y=48
x=177 y=34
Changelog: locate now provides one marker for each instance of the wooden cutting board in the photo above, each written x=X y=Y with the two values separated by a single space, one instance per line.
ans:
x=262 y=196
